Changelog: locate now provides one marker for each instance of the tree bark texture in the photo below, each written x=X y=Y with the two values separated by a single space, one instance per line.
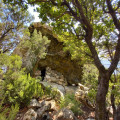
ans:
x=101 y=113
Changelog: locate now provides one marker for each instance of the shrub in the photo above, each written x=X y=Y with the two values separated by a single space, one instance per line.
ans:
x=52 y=92
x=70 y=102
x=18 y=86
x=90 y=79
x=8 y=113
x=21 y=89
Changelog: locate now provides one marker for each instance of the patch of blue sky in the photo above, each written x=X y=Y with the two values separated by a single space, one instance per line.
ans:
x=35 y=14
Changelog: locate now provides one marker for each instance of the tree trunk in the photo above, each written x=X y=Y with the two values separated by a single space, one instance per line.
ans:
x=113 y=104
x=101 y=113
x=117 y=115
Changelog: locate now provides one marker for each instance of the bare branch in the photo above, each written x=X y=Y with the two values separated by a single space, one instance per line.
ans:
x=116 y=57
x=104 y=8
x=117 y=25
x=113 y=15
x=84 y=20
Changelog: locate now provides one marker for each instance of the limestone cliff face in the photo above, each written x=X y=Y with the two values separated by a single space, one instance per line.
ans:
x=56 y=58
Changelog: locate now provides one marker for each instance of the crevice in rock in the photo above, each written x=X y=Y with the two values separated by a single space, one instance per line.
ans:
x=43 y=73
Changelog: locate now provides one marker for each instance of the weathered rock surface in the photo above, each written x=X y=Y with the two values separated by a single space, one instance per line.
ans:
x=56 y=59
x=62 y=90
x=54 y=77
x=81 y=92
x=34 y=102
x=65 y=114
x=37 y=110
x=81 y=95
x=30 y=115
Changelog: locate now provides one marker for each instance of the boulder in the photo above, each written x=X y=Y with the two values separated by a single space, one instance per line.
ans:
x=38 y=110
x=54 y=77
x=62 y=90
x=42 y=110
x=30 y=115
x=55 y=87
x=34 y=102
x=65 y=114
x=81 y=92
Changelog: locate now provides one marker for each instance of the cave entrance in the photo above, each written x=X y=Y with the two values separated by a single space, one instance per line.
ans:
x=43 y=73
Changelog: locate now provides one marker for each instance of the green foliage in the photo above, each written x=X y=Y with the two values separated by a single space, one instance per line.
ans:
x=90 y=76
x=97 y=21
x=21 y=89
x=8 y=113
x=18 y=86
x=12 y=21
x=77 y=49
x=52 y=92
x=70 y=102
x=36 y=49
x=90 y=79
x=115 y=82
x=47 y=90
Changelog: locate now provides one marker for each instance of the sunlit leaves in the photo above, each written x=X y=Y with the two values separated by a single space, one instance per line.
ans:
x=77 y=48
x=36 y=49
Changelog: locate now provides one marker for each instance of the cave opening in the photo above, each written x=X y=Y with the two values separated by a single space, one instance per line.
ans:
x=43 y=73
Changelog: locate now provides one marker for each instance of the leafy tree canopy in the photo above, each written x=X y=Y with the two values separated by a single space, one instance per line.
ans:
x=12 y=21
x=66 y=16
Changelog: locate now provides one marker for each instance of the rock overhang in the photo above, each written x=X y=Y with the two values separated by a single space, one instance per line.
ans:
x=57 y=59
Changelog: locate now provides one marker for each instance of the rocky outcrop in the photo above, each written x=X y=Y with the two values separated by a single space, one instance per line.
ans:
x=42 y=111
x=56 y=59
x=37 y=110
x=60 y=89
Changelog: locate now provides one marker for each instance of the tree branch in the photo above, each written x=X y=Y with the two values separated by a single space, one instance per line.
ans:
x=88 y=37
x=66 y=12
x=4 y=34
x=113 y=15
x=84 y=20
x=117 y=25
x=116 y=58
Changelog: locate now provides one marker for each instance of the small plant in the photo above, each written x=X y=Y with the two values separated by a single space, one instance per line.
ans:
x=70 y=102
x=51 y=92
x=8 y=113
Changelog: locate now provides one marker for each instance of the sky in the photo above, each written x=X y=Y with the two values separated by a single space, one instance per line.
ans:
x=35 y=14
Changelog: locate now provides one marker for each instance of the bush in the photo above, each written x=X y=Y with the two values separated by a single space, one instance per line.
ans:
x=8 y=113
x=18 y=86
x=70 y=102
x=90 y=79
x=22 y=89
x=52 y=92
